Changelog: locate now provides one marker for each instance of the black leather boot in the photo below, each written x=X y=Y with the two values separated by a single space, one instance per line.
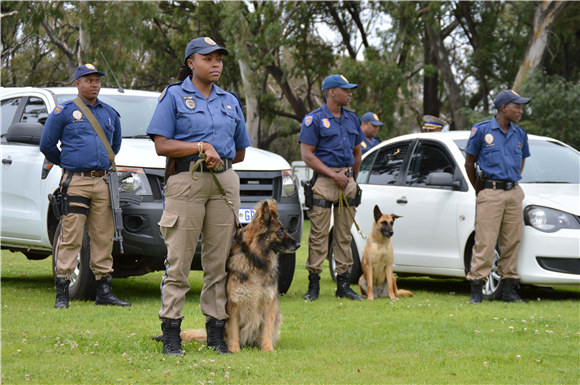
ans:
x=215 y=335
x=510 y=290
x=171 y=337
x=343 y=289
x=62 y=296
x=476 y=291
x=313 y=287
x=105 y=294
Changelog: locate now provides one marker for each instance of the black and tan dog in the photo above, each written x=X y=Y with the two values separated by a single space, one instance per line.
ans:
x=252 y=282
x=377 y=277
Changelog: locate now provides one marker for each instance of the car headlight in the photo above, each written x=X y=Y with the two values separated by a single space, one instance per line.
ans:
x=289 y=184
x=134 y=181
x=549 y=220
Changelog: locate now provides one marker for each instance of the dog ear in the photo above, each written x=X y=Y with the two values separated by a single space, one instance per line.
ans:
x=377 y=213
x=266 y=215
x=395 y=216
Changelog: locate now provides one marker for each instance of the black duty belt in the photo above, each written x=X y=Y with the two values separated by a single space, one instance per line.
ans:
x=348 y=173
x=93 y=173
x=499 y=184
x=182 y=165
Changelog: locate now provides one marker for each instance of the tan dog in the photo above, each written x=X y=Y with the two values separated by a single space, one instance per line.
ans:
x=252 y=282
x=377 y=260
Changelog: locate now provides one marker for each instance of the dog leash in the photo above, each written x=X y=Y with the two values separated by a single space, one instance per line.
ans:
x=342 y=200
x=198 y=164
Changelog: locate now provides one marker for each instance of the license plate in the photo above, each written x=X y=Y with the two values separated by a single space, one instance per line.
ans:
x=246 y=215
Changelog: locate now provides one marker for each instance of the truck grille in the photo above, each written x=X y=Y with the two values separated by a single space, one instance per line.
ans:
x=254 y=185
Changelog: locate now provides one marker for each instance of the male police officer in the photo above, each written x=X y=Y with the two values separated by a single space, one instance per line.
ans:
x=499 y=147
x=330 y=140
x=370 y=127
x=84 y=161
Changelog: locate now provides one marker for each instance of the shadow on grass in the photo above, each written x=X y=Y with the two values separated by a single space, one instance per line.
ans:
x=461 y=286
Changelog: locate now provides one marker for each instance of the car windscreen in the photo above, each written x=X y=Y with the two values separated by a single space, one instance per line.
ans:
x=135 y=110
x=549 y=162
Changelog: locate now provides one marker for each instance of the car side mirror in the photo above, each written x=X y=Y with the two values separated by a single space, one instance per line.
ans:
x=443 y=179
x=28 y=133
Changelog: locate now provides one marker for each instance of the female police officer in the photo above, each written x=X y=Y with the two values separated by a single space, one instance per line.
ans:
x=195 y=116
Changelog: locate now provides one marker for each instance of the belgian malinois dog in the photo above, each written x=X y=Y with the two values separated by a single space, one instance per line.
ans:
x=252 y=282
x=377 y=277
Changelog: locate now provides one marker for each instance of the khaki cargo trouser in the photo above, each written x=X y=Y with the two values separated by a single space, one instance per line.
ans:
x=326 y=189
x=193 y=208
x=99 y=226
x=498 y=219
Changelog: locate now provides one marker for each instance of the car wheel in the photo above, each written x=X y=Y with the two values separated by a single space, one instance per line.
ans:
x=286 y=266
x=82 y=281
x=492 y=288
x=355 y=269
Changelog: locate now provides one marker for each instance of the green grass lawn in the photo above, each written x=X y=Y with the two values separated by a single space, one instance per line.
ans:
x=435 y=337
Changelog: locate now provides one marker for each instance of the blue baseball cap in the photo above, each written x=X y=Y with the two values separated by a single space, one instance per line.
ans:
x=203 y=45
x=86 y=69
x=509 y=96
x=334 y=81
x=372 y=118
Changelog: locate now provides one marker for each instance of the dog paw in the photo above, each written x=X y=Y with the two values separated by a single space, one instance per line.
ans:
x=234 y=348
x=267 y=348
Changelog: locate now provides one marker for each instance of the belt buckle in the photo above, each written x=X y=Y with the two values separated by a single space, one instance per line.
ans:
x=220 y=168
x=493 y=183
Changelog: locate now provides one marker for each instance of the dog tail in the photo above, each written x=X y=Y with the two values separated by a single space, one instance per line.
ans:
x=404 y=293
x=190 y=335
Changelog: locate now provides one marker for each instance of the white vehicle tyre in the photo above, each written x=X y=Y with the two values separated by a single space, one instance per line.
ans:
x=286 y=266
x=355 y=269
x=83 y=285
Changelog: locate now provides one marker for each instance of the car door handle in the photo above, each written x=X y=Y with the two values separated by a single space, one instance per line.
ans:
x=402 y=200
x=6 y=161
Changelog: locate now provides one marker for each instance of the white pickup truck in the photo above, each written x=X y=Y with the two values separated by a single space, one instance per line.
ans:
x=28 y=224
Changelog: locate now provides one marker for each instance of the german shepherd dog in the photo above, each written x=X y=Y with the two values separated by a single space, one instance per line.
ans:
x=252 y=282
x=377 y=260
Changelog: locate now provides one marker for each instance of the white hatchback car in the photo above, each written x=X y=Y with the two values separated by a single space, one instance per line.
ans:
x=422 y=178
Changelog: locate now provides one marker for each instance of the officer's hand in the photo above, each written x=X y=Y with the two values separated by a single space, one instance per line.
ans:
x=340 y=179
x=212 y=159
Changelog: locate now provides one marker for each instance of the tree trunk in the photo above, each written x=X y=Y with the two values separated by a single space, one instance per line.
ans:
x=252 y=104
x=454 y=93
x=430 y=81
x=544 y=18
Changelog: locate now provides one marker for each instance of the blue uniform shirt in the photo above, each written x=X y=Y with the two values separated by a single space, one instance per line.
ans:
x=368 y=144
x=334 y=138
x=498 y=155
x=80 y=147
x=184 y=113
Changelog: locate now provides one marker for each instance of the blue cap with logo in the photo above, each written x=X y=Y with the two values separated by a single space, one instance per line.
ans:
x=334 y=81
x=203 y=45
x=372 y=118
x=86 y=69
x=509 y=96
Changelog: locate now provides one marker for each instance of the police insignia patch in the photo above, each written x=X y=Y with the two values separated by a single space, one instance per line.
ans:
x=58 y=109
x=473 y=131
x=77 y=115
x=162 y=95
x=209 y=41
x=326 y=123
x=363 y=144
x=189 y=102
x=489 y=138
x=343 y=78
x=308 y=120
x=375 y=117
x=90 y=66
